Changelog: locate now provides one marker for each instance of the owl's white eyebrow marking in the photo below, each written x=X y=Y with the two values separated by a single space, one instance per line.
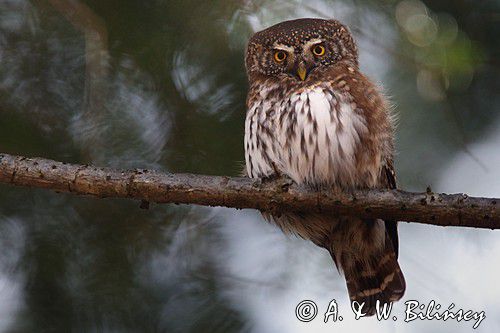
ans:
x=309 y=43
x=283 y=47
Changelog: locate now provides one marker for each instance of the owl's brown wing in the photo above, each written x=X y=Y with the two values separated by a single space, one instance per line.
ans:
x=389 y=180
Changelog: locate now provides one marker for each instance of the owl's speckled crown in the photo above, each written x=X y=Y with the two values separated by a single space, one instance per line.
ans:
x=295 y=32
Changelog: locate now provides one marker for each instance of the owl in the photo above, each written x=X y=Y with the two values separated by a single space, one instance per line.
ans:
x=313 y=117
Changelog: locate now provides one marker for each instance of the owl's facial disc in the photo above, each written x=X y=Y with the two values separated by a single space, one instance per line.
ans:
x=295 y=66
x=298 y=61
x=299 y=50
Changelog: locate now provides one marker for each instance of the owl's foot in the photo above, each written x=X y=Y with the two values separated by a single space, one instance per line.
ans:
x=281 y=180
x=285 y=182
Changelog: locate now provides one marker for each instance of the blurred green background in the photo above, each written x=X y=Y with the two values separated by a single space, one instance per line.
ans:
x=161 y=84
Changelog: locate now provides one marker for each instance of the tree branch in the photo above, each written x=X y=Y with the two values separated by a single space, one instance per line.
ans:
x=273 y=196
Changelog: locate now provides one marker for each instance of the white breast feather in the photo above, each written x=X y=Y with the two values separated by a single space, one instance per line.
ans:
x=330 y=151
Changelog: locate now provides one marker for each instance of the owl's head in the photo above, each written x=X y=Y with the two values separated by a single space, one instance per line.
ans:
x=299 y=49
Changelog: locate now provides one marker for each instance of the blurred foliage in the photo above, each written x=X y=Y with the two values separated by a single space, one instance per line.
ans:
x=175 y=100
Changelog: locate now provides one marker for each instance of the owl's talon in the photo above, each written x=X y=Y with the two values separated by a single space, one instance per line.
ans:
x=270 y=178
x=285 y=182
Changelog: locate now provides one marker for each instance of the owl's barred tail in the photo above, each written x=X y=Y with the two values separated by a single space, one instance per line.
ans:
x=385 y=284
x=378 y=278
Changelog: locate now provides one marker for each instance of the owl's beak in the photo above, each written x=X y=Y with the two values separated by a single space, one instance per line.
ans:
x=302 y=71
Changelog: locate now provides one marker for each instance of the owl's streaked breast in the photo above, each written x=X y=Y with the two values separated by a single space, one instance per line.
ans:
x=311 y=135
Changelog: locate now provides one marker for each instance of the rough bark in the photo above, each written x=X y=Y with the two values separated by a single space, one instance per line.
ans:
x=275 y=196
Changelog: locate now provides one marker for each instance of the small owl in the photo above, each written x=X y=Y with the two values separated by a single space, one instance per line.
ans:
x=314 y=117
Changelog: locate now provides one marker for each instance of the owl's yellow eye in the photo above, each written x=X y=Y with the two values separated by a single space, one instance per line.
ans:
x=318 y=50
x=279 y=56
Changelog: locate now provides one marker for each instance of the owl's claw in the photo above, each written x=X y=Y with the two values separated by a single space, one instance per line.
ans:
x=270 y=178
x=283 y=182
